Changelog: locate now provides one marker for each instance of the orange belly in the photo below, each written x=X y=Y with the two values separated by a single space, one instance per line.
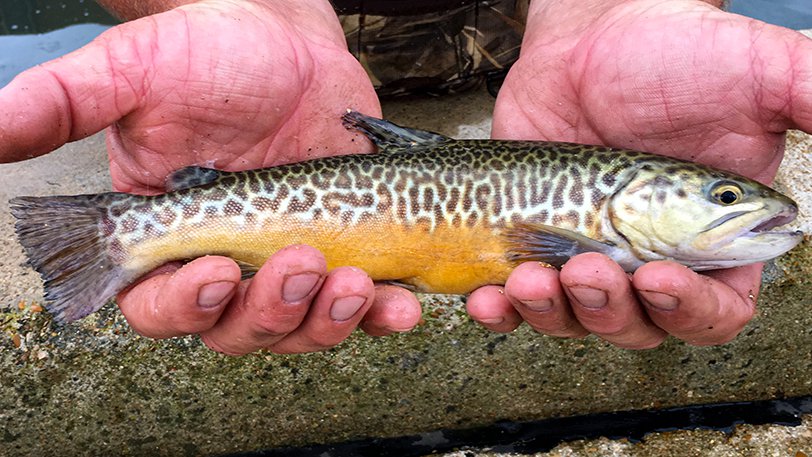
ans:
x=447 y=259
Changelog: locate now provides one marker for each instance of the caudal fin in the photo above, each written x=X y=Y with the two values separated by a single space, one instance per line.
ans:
x=63 y=239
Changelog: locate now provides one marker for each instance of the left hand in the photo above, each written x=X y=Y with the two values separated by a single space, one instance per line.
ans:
x=679 y=78
x=230 y=85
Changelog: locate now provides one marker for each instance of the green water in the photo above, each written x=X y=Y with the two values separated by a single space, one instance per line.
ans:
x=19 y=17
x=35 y=31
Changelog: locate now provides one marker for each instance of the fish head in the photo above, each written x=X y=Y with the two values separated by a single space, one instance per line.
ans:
x=701 y=217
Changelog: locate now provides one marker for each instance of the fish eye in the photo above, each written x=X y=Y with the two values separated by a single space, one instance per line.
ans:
x=727 y=194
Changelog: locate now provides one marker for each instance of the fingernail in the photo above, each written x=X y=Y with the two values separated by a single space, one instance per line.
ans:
x=345 y=307
x=589 y=297
x=659 y=300
x=214 y=294
x=297 y=287
x=492 y=320
x=544 y=304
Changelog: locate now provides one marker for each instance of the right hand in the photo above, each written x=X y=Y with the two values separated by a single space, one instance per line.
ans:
x=721 y=91
x=230 y=85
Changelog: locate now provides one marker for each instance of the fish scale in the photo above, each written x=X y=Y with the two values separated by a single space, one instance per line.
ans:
x=317 y=202
x=462 y=183
x=443 y=215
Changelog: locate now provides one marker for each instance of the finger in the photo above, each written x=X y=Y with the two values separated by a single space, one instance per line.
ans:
x=783 y=80
x=490 y=307
x=74 y=96
x=181 y=301
x=536 y=293
x=337 y=310
x=604 y=303
x=270 y=305
x=394 y=309
x=697 y=308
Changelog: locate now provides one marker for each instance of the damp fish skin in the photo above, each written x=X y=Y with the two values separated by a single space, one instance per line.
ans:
x=439 y=214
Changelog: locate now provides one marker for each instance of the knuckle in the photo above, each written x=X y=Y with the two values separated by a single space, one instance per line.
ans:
x=277 y=325
x=550 y=324
x=186 y=323
x=217 y=346
x=609 y=328
x=562 y=327
x=278 y=320
x=185 y=326
x=148 y=327
x=319 y=341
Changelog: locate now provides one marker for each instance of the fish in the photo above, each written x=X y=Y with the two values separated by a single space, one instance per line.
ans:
x=438 y=214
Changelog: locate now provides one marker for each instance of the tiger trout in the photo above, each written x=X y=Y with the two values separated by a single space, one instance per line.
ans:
x=439 y=214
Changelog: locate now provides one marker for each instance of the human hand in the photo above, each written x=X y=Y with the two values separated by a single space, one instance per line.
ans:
x=230 y=85
x=679 y=78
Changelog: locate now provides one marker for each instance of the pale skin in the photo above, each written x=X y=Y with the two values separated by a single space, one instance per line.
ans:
x=677 y=77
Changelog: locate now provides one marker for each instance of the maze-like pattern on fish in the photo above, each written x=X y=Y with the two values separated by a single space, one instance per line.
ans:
x=459 y=183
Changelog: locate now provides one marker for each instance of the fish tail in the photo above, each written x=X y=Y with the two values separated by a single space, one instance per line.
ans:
x=389 y=136
x=66 y=244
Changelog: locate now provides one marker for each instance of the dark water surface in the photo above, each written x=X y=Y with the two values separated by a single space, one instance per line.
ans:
x=542 y=436
x=35 y=31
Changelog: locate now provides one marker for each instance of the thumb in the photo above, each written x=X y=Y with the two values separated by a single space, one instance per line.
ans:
x=783 y=66
x=71 y=97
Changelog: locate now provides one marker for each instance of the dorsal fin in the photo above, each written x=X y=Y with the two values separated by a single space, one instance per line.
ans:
x=388 y=136
x=190 y=177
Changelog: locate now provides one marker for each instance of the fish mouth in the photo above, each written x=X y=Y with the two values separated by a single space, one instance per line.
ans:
x=749 y=234
x=763 y=224
x=782 y=218
x=743 y=237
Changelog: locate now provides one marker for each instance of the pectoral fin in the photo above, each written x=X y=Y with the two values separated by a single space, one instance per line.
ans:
x=552 y=245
